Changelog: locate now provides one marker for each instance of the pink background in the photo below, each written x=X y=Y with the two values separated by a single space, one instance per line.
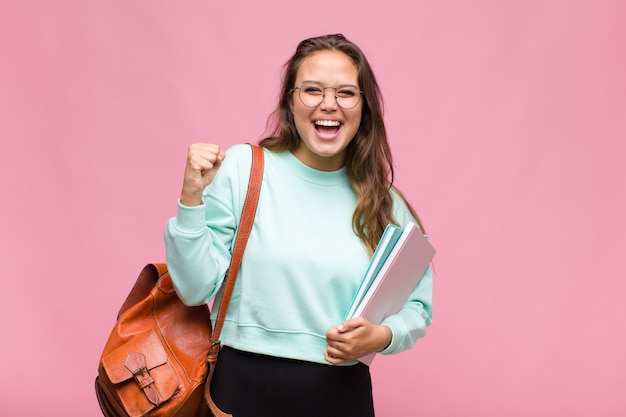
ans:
x=508 y=123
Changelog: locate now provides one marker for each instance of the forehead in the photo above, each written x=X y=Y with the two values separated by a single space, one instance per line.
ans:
x=328 y=68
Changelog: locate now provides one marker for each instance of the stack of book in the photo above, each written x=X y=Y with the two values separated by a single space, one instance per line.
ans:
x=398 y=263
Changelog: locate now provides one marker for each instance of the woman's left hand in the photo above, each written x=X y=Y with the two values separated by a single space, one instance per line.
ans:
x=354 y=339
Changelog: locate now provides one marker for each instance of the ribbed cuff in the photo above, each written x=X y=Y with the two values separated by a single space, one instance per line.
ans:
x=398 y=328
x=190 y=219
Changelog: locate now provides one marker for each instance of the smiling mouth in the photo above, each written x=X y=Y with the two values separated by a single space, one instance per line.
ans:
x=327 y=126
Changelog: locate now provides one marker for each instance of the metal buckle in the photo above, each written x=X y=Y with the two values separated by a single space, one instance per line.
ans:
x=140 y=372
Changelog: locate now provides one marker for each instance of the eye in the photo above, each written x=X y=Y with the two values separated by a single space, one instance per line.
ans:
x=312 y=90
x=346 y=92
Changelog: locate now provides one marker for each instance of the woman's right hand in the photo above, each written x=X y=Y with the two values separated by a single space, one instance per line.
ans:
x=203 y=161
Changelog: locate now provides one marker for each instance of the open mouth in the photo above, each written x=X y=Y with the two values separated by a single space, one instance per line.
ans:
x=327 y=127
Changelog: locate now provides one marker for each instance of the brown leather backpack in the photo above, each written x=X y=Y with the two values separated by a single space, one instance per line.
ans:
x=160 y=355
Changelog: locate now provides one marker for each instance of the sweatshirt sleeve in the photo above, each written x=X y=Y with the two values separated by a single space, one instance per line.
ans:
x=198 y=240
x=411 y=322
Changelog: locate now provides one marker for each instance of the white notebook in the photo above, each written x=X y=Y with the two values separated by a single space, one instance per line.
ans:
x=398 y=276
x=386 y=244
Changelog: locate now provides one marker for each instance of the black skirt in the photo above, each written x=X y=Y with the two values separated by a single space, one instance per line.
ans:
x=252 y=385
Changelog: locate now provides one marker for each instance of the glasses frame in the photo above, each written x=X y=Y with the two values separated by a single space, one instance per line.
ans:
x=299 y=88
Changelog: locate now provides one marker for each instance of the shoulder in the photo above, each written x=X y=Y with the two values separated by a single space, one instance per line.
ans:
x=231 y=180
x=237 y=162
x=240 y=153
x=402 y=211
x=234 y=170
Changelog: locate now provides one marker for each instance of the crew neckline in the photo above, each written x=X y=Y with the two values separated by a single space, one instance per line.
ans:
x=310 y=174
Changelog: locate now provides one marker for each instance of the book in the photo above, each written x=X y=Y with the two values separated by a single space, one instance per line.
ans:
x=388 y=240
x=397 y=274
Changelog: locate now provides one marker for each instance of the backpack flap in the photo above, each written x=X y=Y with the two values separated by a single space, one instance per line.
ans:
x=141 y=371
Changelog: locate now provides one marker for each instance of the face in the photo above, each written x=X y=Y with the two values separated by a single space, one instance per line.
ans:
x=327 y=129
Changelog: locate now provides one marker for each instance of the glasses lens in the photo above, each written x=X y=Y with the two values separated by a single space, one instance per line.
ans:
x=312 y=94
x=348 y=97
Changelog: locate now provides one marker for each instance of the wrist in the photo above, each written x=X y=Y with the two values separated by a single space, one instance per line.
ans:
x=386 y=338
x=190 y=200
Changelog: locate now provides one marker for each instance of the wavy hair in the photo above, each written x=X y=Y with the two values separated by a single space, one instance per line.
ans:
x=368 y=162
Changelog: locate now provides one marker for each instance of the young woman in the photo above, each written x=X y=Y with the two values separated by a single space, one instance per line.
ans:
x=326 y=198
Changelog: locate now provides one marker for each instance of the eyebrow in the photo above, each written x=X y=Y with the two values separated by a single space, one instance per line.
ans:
x=337 y=86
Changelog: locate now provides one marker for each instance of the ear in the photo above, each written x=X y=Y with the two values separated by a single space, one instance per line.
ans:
x=290 y=100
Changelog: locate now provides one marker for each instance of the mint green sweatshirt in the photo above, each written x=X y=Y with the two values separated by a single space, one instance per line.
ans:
x=302 y=265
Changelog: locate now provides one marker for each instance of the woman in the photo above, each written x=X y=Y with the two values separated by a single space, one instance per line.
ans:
x=325 y=201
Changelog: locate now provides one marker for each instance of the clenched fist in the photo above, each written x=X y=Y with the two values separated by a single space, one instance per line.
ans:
x=203 y=161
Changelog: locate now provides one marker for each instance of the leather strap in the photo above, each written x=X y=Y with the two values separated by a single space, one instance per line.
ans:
x=136 y=364
x=243 y=233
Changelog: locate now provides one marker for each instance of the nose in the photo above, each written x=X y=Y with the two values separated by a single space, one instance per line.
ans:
x=329 y=101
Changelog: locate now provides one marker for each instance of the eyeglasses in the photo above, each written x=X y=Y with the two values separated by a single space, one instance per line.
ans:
x=312 y=94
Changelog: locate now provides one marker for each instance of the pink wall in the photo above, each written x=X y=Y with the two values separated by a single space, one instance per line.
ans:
x=508 y=122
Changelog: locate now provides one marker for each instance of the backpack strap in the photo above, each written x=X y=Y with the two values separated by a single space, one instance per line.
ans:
x=243 y=233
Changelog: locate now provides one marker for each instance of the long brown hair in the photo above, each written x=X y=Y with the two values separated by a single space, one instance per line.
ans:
x=369 y=165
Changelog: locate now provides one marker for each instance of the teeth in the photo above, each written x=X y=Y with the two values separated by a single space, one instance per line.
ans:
x=327 y=122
